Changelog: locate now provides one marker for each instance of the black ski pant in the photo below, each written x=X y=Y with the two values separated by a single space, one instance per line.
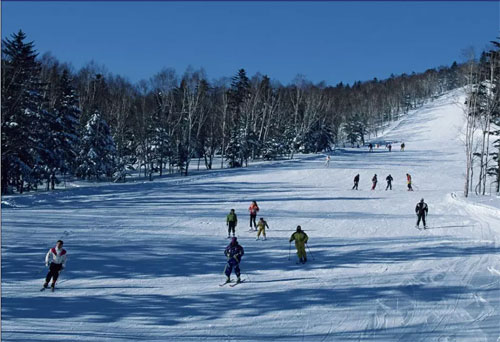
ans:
x=421 y=217
x=355 y=186
x=252 y=219
x=389 y=186
x=54 y=270
x=231 y=226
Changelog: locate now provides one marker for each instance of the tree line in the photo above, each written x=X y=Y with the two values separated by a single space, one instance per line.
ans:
x=95 y=125
x=482 y=111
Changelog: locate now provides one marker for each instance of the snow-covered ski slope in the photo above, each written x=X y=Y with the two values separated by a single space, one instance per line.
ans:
x=145 y=260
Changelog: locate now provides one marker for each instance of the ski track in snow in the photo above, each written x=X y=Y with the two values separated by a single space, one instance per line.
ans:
x=145 y=259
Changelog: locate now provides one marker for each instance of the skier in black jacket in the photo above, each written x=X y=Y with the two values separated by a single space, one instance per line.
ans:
x=356 y=182
x=421 y=210
x=389 y=180
x=374 y=182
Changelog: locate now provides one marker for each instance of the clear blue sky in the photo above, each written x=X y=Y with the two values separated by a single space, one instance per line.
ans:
x=331 y=41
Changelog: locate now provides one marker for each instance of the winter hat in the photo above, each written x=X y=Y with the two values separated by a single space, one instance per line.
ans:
x=299 y=229
x=234 y=240
x=422 y=200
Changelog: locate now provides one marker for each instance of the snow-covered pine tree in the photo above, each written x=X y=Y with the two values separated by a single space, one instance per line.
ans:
x=233 y=149
x=97 y=154
x=22 y=115
x=67 y=116
x=318 y=138
x=160 y=147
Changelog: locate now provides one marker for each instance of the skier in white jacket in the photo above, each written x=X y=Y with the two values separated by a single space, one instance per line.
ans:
x=56 y=256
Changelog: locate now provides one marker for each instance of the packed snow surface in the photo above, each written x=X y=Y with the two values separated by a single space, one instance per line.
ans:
x=145 y=259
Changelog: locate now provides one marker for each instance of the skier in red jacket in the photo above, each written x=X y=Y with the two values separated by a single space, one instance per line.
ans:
x=57 y=257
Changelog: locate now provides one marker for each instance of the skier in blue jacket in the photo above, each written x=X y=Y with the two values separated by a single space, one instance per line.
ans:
x=233 y=252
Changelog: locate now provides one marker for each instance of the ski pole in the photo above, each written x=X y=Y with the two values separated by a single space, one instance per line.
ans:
x=43 y=269
x=310 y=251
x=246 y=274
x=59 y=277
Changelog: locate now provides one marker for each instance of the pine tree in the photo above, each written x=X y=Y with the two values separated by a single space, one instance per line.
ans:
x=233 y=149
x=67 y=117
x=240 y=91
x=319 y=138
x=22 y=115
x=354 y=130
x=97 y=154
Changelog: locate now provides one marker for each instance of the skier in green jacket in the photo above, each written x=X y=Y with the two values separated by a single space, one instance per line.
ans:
x=231 y=223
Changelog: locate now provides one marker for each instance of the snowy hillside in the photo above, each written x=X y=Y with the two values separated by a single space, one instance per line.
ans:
x=145 y=260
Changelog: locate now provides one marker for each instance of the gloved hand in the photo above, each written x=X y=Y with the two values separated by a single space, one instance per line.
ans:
x=46 y=264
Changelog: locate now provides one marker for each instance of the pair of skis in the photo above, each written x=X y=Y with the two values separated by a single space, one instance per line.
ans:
x=231 y=283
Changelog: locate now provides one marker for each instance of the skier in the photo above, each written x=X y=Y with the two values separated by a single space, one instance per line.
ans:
x=231 y=222
x=421 y=210
x=403 y=147
x=389 y=180
x=233 y=252
x=57 y=258
x=374 y=182
x=262 y=225
x=300 y=238
x=370 y=147
x=389 y=147
x=356 y=182
x=327 y=163
x=253 y=209
x=408 y=181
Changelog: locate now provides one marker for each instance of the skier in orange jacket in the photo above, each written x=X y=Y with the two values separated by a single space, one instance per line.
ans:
x=253 y=209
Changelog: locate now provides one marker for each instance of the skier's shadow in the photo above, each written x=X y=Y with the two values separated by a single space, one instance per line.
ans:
x=444 y=227
x=281 y=280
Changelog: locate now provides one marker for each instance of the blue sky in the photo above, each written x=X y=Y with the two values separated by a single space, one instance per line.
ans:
x=330 y=41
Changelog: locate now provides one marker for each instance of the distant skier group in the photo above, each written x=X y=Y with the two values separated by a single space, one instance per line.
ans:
x=388 y=179
x=387 y=146
x=260 y=227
